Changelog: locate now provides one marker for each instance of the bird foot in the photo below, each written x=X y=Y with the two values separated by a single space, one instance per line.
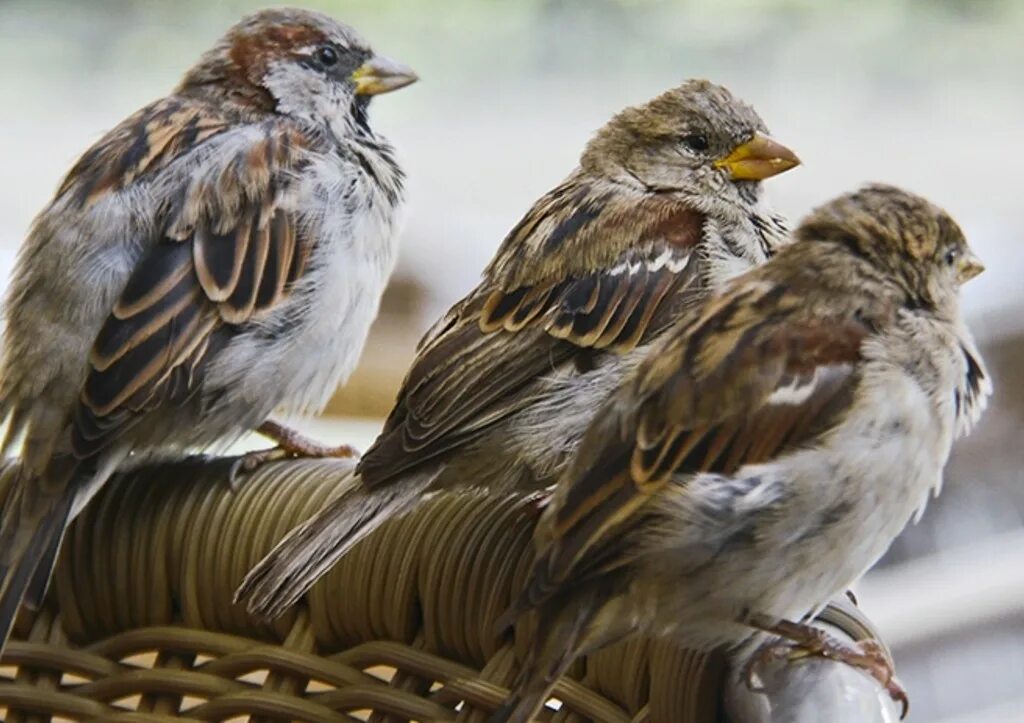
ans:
x=803 y=641
x=290 y=445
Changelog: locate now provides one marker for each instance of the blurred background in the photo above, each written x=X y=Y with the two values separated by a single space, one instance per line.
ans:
x=928 y=94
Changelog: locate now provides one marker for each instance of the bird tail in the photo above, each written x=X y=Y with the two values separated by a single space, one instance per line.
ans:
x=29 y=563
x=554 y=648
x=521 y=706
x=311 y=549
x=36 y=514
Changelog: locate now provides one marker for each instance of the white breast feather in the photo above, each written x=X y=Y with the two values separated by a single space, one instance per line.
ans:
x=331 y=308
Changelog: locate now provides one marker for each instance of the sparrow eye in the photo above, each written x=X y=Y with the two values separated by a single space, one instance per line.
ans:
x=326 y=56
x=951 y=256
x=696 y=142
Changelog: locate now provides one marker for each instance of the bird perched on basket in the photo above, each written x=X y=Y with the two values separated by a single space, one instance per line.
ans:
x=214 y=259
x=767 y=450
x=665 y=204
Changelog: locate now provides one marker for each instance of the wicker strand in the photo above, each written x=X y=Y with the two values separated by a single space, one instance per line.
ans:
x=140 y=624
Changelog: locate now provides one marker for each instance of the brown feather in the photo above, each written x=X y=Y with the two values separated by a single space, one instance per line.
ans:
x=466 y=378
x=275 y=264
x=140 y=145
x=240 y=305
x=218 y=260
x=212 y=270
x=589 y=266
x=700 y=402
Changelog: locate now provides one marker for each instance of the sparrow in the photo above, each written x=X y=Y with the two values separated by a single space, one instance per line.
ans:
x=767 y=450
x=666 y=203
x=216 y=258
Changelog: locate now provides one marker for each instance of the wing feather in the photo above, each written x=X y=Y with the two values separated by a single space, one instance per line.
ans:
x=226 y=252
x=469 y=376
x=240 y=305
x=592 y=266
x=218 y=260
x=749 y=378
x=133 y=322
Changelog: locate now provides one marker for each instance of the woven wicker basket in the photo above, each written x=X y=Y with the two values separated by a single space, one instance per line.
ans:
x=139 y=624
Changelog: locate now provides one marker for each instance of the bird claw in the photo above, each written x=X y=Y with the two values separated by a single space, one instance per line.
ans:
x=290 y=445
x=874 y=660
x=298 y=445
x=803 y=641
x=767 y=653
x=250 y=462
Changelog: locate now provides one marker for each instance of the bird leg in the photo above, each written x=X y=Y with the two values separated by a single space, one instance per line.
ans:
x=298 y=445
x=803 y=640
x=290 y=445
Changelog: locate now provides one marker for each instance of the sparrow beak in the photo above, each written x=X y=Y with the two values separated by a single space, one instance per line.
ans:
x=759 y=158
x=382 y=75
x=968 y=267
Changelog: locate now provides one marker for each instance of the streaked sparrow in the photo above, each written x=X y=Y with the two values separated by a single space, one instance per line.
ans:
x=768 y=449
x=665 y=204
x=214 y=259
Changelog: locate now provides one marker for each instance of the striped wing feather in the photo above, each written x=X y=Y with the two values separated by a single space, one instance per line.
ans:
x=467 y=377
x=226 y=254
x=779 y=381
x=589 y=268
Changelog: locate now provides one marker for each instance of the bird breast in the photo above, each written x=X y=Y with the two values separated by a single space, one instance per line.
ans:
x=545 y=434
x=293 y=360
x=785 y=536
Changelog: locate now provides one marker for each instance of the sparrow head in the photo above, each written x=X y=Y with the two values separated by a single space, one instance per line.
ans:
x=696 y=139
x=299 y=63
x=904 y=236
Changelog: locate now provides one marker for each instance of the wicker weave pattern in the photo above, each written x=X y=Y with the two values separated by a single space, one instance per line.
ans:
x=140 y=624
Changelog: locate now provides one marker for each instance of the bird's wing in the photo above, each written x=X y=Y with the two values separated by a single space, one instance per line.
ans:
x=972 y=392
x=752 y=376
x=472 y=368
x=226 y=250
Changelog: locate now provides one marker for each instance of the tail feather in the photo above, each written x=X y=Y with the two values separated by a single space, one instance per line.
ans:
x=40 y=583
x=576 y=623
x=520 y=707
x=527 y=599
x=554 y=649
x=281 y=578
x=27 y=577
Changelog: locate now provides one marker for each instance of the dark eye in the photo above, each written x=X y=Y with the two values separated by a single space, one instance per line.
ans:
x=951 y=256
x=696 y=142
x=326 y=56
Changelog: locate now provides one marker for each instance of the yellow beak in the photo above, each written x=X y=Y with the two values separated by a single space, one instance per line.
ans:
x=382 y=75
x=968 y=267
x=759 y=158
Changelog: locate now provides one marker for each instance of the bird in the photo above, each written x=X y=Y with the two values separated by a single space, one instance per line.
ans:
x=215 y=259
x=766 y=451
x=665 y=203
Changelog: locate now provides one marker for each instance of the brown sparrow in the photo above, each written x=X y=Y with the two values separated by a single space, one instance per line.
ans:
x=665 y=204
x=767 y=450
x=216 y=258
